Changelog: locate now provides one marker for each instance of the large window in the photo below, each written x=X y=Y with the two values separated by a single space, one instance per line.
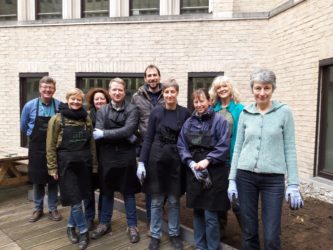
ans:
x=197 y=80
x=144 y=7
x=95 y=8
x=29 y=89
x=48 y=9
x=325 y=145
x=194 y=6
x=8 y=10
x=85 y=81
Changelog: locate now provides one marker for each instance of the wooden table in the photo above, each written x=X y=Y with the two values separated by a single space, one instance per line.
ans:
x=9 y=159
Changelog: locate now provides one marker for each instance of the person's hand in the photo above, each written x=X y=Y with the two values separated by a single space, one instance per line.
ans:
x=202 y=164
x=207 y=182
x=141 y=172
x=193 y=167
x=98 y=133
x=293 y=196
x=232 y=190
x=55 y=176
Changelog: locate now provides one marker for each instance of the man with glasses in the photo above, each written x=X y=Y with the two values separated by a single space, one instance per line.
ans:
x=34 y=120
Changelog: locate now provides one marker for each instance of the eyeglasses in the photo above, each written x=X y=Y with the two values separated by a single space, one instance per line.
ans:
x=47 y=87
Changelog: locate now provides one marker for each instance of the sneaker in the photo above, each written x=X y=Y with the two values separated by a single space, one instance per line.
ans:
x=72 y=236
x=84 y=241
x=55 y=215
x=133 y=234
x=36 y=215
x=101 y=230
x=154 y=244
x=176 y=242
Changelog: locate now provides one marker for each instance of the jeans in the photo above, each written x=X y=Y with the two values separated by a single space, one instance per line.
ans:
x=52 y=198
x=157 y=205
x=148 y=206
x=90 y=208
x=206 y=229
x=77 y=218
x=130 y=207
x=106 y=212
x=270 y=187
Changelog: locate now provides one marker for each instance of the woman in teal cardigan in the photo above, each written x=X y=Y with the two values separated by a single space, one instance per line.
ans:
x=226 y=101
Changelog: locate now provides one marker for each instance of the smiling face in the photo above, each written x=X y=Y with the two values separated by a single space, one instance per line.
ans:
x=201 y=104
x=75 y=102
x=224 y=91
x=262 y=93
x=117 y=92
x=152 y=78
x=99 y=100
x=170 y=96
x=46 y=91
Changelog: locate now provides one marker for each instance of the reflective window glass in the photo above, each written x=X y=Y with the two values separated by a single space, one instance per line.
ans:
x=8 y=10
x=144 y=7
x=49 y=9
x=194 y=6
x=95 y=8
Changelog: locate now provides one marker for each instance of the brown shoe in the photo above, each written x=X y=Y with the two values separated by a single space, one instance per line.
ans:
x=36 y=215
x=54 y=215
x=133 y=234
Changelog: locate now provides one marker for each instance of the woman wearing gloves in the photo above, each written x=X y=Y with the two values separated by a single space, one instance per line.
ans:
x=203 y=146
x=164 y=171
x=70 y=149
x=264 y=152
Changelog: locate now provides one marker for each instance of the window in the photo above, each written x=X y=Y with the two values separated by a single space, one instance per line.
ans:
x=95 y=8
x=144 y=7
x=325 y=145
x=8 y=10
x=194 y=6
x=48 y=9
x=85 y=81
x=198 y=80
x=29 y=89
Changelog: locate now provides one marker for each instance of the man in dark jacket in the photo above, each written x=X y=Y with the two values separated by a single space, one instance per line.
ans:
x=146 y=98
x=116 y=122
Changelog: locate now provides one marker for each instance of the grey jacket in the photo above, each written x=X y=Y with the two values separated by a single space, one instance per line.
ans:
x=142 y=101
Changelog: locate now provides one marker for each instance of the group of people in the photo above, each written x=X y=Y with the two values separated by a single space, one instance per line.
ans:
x=220 y=154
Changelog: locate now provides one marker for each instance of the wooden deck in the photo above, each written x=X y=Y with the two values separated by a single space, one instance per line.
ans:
x=17 y=233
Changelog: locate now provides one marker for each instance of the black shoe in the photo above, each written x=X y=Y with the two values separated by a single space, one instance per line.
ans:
x=36 y=215
x=154 y=244
x=84 y=241
x=176 y=242
x=133 y=234
x=72 y=236
x=101 y=230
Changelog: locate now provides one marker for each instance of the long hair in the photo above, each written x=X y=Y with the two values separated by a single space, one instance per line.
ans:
x=217 y=82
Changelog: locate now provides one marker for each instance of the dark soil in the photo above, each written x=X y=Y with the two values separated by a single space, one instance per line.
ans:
x=308 y=228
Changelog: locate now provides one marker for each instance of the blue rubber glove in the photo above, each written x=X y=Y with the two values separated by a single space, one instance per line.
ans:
x=141 y=172
x=293 y=196
x=98 y=133
x=196 y=173
x=207 y=182
x=232 y=190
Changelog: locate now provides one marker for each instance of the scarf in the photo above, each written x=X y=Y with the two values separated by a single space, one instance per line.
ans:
x=78 y=114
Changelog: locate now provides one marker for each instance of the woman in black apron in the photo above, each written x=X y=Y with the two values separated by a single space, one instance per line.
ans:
x=70 y=149
x=203 y=146
x=164 y=171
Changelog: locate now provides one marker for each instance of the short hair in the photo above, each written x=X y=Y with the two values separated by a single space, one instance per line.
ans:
x=91 y=95
x=262 y=75
x=118 y=80
x=74 y=92
x=217 y=82
x=152 y=66
x=171 y=82
x=47 y=80
x=199 y=92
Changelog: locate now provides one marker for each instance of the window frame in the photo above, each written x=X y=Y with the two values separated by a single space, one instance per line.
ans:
x=39 y=15
x=322 y=111
x=82 y=12
x=131 y=9
x=181 y=9
x=23 y=97
x=192 y=75
x=12 y=17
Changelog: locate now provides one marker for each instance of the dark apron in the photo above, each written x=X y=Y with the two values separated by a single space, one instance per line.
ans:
x=165 y=174
x=215 y=198
x=74 y=164
x=37 y=168
x=117 y=160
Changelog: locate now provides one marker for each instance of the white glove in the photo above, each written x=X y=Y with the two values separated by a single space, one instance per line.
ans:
x=232 y=190
x=98 y=133
x=141 y=172
x=295 y=197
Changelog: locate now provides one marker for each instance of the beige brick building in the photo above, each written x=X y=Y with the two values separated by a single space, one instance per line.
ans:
x=293 y=38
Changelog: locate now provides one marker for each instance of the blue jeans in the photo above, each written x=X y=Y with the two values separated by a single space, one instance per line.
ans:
x=270 y=187
x=206 y=229
x=77 y=218
x=39 y=193
x=106 y=209
x=90 y=208
x=130 y=207
x=157 y=205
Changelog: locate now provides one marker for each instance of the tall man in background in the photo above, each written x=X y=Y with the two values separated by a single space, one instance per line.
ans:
x=34 y=120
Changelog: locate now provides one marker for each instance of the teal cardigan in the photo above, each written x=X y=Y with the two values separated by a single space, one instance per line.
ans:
x=266 y=142
x=235 y=110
